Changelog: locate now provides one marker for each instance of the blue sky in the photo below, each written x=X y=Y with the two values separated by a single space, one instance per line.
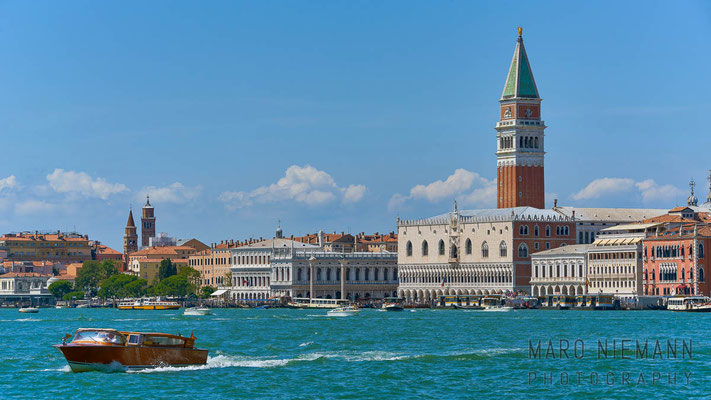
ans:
x=335 y=115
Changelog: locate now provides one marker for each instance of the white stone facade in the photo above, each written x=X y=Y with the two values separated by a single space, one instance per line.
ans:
x=560 y=271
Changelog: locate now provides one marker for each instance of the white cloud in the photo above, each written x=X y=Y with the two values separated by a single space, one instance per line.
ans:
x=29 y=207
x=353 y=193
x=468 y=187
x=649 y=190
x=73 y=182
x=604 y=186
x=174 y=193
x=8 y=183
x=305 y=184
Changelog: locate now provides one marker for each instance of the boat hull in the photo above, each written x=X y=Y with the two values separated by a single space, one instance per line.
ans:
x=90 y=358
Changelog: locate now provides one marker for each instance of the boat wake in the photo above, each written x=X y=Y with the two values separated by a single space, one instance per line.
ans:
x=226 y=361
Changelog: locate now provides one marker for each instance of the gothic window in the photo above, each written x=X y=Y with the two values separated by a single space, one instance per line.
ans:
x=408 y=248
x=701 y=274
x=701 y=250
x=523 y=230
x=484 y=250
x=468 y=246
x=425 y=248
x=453 y=251
x=522 y=250
x=441 y=247
x=502 y=249
x=535 y=231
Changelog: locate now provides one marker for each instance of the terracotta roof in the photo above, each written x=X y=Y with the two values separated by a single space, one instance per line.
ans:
x=43 y=238
x=668 y=218
x=101 y=249
x=165 y=250
x=677 y=209
x=130 y=219
x=23 y=275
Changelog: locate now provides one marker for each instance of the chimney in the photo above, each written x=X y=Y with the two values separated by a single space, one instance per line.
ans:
x=555 y=203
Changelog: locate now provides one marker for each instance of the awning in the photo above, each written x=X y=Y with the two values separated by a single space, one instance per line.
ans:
x=219 y=292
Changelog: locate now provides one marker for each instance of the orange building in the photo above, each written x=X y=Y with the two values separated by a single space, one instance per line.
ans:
x=377 y=243
x=520 y=150
x=56 y=247
x=213 y=264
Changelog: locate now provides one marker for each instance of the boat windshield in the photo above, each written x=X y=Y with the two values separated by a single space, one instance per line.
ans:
x=155 y=340
x=100 y=337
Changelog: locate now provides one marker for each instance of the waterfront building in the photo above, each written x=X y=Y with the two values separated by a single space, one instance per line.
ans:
x=148 y=223
x=57 y=247
x=367 y=275
x=102 y=252
x=16 y=287
x=615 y=261
x=590 y=221
x=148 y=268
x=562 y=270
x=213 y=264
x=160 y=253
x=477 y=251
x=251 y=267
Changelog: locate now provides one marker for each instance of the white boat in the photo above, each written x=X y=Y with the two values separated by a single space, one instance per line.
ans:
x=494 y=304
x=197 y=311
x=689 y=304
x=393 y=304
x=343 y=311
x=317 y=303
x=32 y=310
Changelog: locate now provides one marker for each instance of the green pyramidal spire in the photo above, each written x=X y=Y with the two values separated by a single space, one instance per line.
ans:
x=520 y=81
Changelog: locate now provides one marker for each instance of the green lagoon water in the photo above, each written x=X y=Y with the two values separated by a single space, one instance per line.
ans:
x=303 y=354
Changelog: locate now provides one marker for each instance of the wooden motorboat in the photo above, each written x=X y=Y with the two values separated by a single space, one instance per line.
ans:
x=32 y=310
x=393 y=304
x=108 y=349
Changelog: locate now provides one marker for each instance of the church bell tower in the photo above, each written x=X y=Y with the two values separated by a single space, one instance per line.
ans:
x=148 y=223
x=519 y=133
x=130 y=238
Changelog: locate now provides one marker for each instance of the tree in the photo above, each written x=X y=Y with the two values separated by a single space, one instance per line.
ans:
x=60 y=288
x=92 y=273
x=73 y=296
x=122 y=285
x=206 y=291
x=166 y=269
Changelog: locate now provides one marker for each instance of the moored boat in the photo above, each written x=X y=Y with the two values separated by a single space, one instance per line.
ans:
x=689 y=304
x=109 y=349
x=494 y=304
x=148 y=304
x=317 y=303
x=346 y=311
x=197 y=311
x=31 y=310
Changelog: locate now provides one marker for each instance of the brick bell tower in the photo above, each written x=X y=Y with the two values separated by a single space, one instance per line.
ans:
x=130 y=238
x=148 y=223
x=519 y=133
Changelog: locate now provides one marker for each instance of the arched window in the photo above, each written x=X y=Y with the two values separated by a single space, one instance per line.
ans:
x=536 y=142
x=299 y=275
x=408 y=248
x=701 y=250
x=502 y=249
x=484 y=250
x=425 y=248
x=453 y=251
x=683 y=275
x=468 y=246
x=523 y=230
x=701 y=274
x=441 y=247
x=522 y=250
x=535 y=230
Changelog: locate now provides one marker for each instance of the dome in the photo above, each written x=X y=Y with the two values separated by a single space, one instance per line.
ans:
x=692 y=200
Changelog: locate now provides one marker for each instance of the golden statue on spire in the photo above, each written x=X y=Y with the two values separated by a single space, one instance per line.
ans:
x=520 y=31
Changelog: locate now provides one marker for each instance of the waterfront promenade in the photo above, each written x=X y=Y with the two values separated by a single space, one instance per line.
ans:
x=304 y=354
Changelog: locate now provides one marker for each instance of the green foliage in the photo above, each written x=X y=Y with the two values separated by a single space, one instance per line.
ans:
x=122 y=285
x=73 y=296
x=60 y=288
x=92 y=273
x=182 y=284
x=206 y=291
x=166 y=269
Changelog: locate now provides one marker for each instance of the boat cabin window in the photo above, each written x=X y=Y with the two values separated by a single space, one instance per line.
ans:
x=162 y=341
x=99 y=337
x=134 y=339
